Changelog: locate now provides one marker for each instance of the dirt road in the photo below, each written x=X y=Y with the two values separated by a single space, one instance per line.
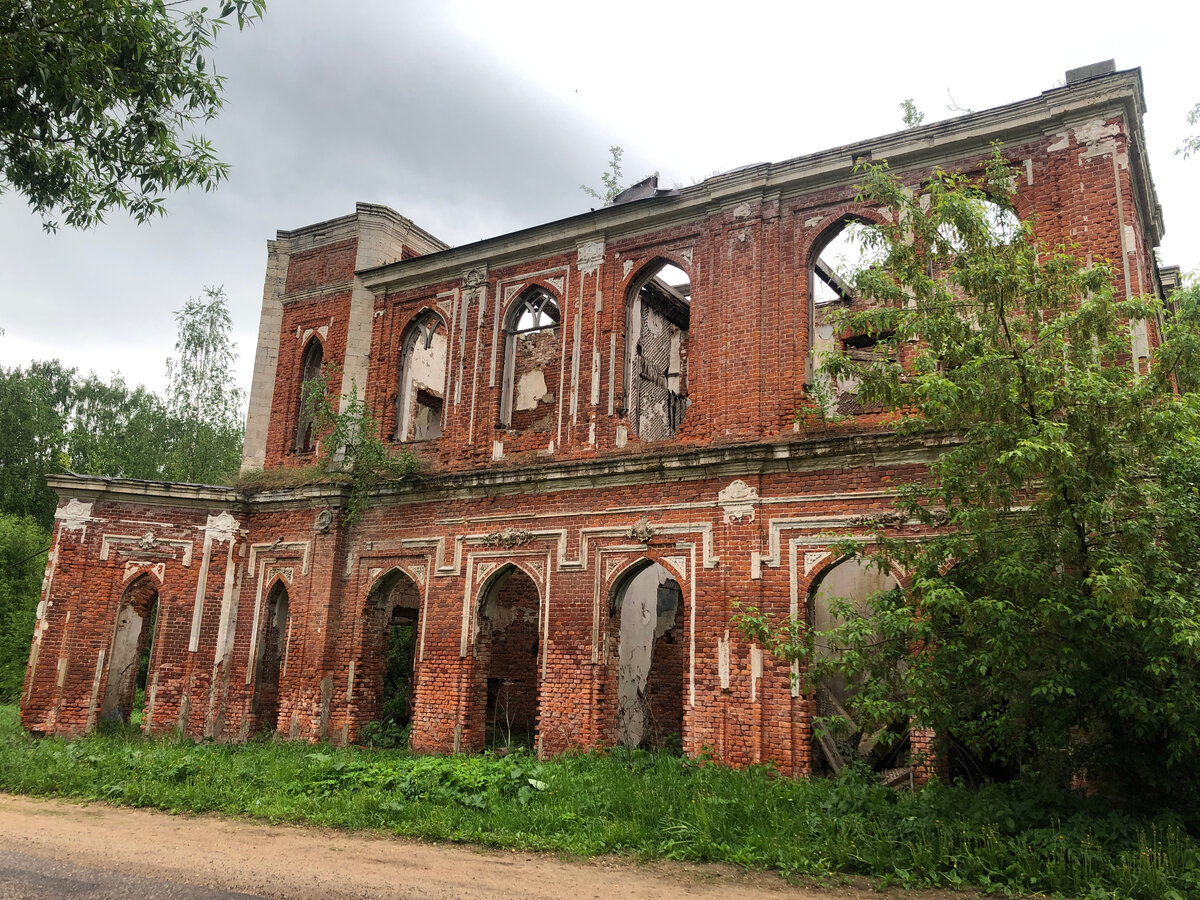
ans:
x=286 y=861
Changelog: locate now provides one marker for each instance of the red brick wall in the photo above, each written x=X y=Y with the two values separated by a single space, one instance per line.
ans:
x=567 y=505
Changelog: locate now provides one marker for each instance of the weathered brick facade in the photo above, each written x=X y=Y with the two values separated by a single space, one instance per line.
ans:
x=538 y=501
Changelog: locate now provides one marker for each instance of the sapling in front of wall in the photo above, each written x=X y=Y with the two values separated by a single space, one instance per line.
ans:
x=1048 y=626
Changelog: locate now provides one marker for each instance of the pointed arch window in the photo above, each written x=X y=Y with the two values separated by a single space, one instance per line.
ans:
x=421 y=392
x=531 y=362
x=309 y=401
x=845 y=248
x=657 y=327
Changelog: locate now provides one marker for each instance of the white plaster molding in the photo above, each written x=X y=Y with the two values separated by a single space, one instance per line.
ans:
x=484 y=569
x=738 y=501
x=221 y=527
x=756 y=671
x=812 y=559
x=723 y=660
x=133 y=566
x=144 y=542
x=74 y=516
x=287 y=573
x=611 y=566
x=590 y=256
x=680 y=563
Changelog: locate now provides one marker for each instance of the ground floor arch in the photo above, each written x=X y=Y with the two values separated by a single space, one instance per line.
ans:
x=886 y=750
x=647 y=607
x=271 y=658
x=384 y=689
x=504 y=702
x=130 y=651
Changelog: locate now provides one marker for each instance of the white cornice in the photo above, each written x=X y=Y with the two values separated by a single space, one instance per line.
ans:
x=914 y=149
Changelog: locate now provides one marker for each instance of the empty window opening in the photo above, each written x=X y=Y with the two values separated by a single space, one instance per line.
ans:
x=885 y=751
x=984 y=221
x=650 y=660
x=422 y=380
x=132 y=642
x=310 y=384
x=850 y=247
x=531 y=363
x=657 y=328
x=271 y=659
x=848 y=252
x=385 y=682
x=507 y=647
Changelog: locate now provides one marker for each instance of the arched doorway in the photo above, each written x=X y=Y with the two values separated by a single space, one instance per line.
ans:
x=507 y=651
x=651 y=657
x=129 y=655
x=884 y=750
x=271 y=659
x=385 y=683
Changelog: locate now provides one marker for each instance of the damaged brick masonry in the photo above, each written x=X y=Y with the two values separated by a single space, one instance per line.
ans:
x=604 y=411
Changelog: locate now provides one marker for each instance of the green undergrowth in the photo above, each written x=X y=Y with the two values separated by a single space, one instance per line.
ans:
x=1007 y=839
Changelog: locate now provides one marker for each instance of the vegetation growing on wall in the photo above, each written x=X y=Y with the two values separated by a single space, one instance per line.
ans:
x=351 y=442
x=1050 y=627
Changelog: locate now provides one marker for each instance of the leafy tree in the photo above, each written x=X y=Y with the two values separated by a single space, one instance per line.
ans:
x=203 y=402
x=23 y=545
x=34 y=405
x=610 y=178
x=1186 y=311
x=1051 y=622
x=1192 y=144
x=99 y=100
x=116 y=431
x=913 y=117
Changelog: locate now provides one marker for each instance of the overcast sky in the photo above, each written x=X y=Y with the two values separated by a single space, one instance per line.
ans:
x=478 y=118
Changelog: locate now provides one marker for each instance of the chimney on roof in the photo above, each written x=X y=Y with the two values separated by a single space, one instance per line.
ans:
x=1095 y=70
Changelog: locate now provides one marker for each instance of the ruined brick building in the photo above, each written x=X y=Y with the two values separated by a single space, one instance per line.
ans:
x=603 y=409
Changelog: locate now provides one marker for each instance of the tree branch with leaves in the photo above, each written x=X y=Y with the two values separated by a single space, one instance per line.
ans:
x=100 y=99
x=1050 y=623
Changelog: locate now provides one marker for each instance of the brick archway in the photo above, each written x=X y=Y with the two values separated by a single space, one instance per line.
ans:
x=646 y=628
x=385 y=659
x=503 y=704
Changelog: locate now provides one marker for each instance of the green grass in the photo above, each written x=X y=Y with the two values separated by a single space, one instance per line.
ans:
x=635 y=803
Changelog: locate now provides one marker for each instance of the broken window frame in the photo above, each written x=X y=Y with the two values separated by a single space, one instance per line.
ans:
x=680 y=318
x=312 y=366
x=420 y=332
x=535 y=302
x=819 y=270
